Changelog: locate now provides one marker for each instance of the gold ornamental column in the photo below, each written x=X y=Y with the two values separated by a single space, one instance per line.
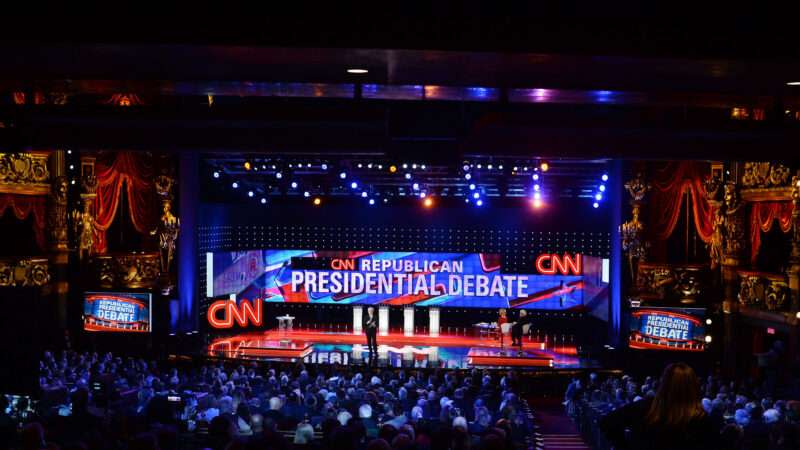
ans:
x=733 y=256
x=58 y=238
x=793 y=271
x=83 y=219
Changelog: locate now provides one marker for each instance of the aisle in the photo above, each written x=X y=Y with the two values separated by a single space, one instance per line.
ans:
x=556 y=429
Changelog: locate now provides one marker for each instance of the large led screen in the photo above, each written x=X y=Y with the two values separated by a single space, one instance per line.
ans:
x=555 y=282
x=117 y=311
x=667 y=329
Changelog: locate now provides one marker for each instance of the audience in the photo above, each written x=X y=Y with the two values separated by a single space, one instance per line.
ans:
x=96 y=401
x=741 y=415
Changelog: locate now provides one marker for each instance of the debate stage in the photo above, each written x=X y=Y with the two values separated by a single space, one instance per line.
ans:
x=396 y=349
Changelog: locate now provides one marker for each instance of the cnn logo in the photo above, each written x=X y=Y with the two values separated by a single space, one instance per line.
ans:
x=551 y=263
x=224 y=313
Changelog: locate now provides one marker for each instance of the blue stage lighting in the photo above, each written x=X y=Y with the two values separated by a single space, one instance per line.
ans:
x=250 y=193
x=343 y=175
x=408 y=176
x=536 y=187
x=466 y=167
x=306 y=194
x=602 y=188
x=263 y=201
x=598 y=197
x=537 y=196
x=372 y=201
x=596 y=205
x=235 y=185
x=364 y=194
x=216 y=174
x=294 y=184
x=535 y=176
x=415 y=186
x=278 y=175
x=324 y=167
x=476 y=195
x=467 y=177
x=604 y=177
x=472 y=186
x=479 y=203
x=354 y=185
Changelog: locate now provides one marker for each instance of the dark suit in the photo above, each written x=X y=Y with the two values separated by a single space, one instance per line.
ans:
x=371 y=330
x=516 y=329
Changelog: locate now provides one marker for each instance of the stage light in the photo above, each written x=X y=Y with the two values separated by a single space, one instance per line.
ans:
x=428 y=202
x=294 y=184
x=422 y=194
x=317 y=201
x=308 y=165
x=466 y=167
x=306 y=194
x=392 y=168
x=69 y=152
x=525 y=169
x=343 y=175
x=479 y=203
x=324 y=167
x=372 y=201
x=602 y=188
x=516 y=168
x=216 y=174
x=595 y=205
x=71 y=167
x=598 y=197
x=472 y=186
x=536 y=187
x=476 y=195
x=235 y=185
x=364 y=194
x=423 y=167
x=708 y=339
x=413 y=166
x=360 y=165
x=489 y=167
x=537 y=196
x=263 y=201
x=408 y=176
x=415 y=186
x=405 y=166
x=72 y=182
x=369 y=166
x=478 y=166
x=278 y=175
x=354 y=185
x=604 y=177
x=467 y=177
x=291 y=165
x=264 y=166
x=544 y=166
x=500 y=167
x=250 y=193
x=357 y=71
x=386 y=200
x=535 y=177
x=247 y=165
x=537 y=203
x=708 y=321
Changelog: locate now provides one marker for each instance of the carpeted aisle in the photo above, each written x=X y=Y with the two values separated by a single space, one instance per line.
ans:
x=556 y=429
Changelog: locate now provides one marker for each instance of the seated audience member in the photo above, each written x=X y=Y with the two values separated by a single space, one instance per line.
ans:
x=673 y=419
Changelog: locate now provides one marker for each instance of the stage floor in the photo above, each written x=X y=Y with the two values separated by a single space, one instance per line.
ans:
x=398 y=350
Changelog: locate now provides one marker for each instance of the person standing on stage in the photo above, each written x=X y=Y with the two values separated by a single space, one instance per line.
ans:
x=371 y=329
x=518 y=327
x=502 y=320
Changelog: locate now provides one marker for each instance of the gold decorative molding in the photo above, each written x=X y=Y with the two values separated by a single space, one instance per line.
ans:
x=24 y=272
x=774 y=194
x=128 y=270
x=24 y=173
x=765 y=175
x=666 y=282
x=765 y=291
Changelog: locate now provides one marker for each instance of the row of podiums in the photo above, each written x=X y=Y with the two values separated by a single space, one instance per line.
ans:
x=383 y=320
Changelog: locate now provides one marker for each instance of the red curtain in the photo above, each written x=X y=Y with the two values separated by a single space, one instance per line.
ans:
x=23 y=206
x=670 y=183
x=762 y=215
x=115 y=170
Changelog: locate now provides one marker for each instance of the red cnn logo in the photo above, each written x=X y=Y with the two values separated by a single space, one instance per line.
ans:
x=550 y=263
x=343 y=264
x=242 y=314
